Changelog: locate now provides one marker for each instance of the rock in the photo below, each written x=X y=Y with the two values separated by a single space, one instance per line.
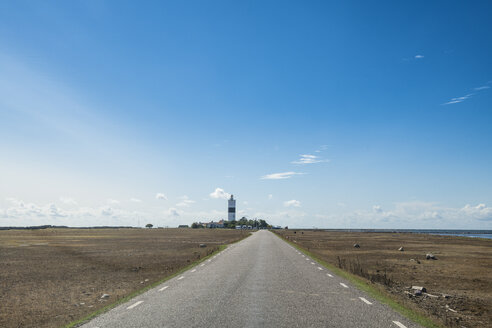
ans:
x=146 y=279
x=430 y=256
x=401 y=249
x=356 y=245
x=105 y=296
x=446 y=296
x=419 y=288
x=203 y=245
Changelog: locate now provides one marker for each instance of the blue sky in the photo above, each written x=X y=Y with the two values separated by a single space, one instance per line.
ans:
x=326 y=114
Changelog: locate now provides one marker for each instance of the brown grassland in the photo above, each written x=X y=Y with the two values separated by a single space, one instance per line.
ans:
x=462 y=271
x=51 y=277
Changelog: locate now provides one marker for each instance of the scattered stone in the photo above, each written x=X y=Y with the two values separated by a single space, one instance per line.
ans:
x=203 y=245
x=430 y=256
x=401 y=249
x=450 y=309
x=146 y=279
x=105 y=296
x=356 y=245
x=420 y=288
x=446 y=296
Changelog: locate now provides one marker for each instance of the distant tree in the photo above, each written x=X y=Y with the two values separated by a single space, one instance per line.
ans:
x=194 y=225
x=243 y=221
x=149 y=225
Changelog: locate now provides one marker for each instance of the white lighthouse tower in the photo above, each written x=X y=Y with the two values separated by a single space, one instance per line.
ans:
x=231 y=209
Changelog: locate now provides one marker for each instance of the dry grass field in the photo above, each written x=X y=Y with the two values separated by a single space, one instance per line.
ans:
x=51 y=277
x=462 y=271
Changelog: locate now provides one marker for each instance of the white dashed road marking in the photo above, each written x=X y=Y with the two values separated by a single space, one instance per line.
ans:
x=343 y=285
x=202 y=264
x=133 y=305
x=329 y=275
x=180 y=277
x=165 y=287
x=365 y=301
x=399 y=324
x=193 y=270
x=313 y=263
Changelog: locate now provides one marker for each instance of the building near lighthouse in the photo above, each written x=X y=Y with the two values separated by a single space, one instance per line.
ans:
x=231 y=209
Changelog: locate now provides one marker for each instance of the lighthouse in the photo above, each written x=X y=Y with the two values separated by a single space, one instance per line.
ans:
x=231 y=209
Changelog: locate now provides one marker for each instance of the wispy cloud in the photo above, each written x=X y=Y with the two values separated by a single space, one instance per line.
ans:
x=68 y=201
x=292 y=203
x=161 y=196
x=219 y=193
x=280 y=175
x=185 y=202
x=419 y=56
x=309 y=159
x=458 y=99
x=113 y=201
x=135 y=200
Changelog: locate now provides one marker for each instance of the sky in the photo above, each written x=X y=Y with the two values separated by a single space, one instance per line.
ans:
x=327 y=114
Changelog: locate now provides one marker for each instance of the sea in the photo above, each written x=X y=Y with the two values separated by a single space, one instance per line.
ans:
x=487 y=234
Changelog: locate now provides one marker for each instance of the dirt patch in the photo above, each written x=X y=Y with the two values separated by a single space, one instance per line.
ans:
x=51 y=277
x=459 y=280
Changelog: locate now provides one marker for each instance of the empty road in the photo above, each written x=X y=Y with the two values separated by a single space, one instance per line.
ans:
x=259 y=282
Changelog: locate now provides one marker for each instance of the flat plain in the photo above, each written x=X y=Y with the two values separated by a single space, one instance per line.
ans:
x=458 y=283
x=51 y=277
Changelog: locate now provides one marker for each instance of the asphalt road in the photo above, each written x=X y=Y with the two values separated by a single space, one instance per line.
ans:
x=259 y=282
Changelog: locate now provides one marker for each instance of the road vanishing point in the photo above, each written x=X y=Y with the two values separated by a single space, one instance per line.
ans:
x=260 y=281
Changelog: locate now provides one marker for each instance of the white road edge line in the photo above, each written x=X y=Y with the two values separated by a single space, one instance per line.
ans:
x=165 y=287
x=133 y=305
x=329 y=275
x=365 y=301
x=399 y=324
x=180 y=277
x=320 y=268
x=343 y=285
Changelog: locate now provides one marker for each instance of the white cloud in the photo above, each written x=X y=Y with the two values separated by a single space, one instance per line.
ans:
x=68 y=201
x=185 y=202
x=292 y=203
x=279 y=176
x=108 y=211
x=219 y=193
x=270 y=196
x=377 y=209
x=419 y=56
x=173 y=212
x=479 y=212
x=135 y=200
x=113 y=201
x=309 y=159
x=482 y=88
x=161 y=196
